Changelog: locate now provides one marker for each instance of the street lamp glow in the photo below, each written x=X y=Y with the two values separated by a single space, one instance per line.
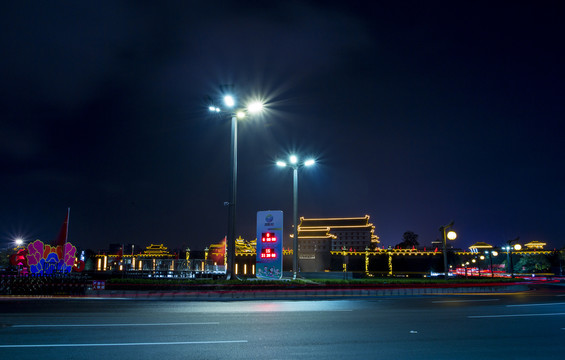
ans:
x=281 y=163
x=452 y=235
x=19 y=241
x=293 y=159
x=309 y=162
x=517 y=247
x=229 y=101
x=255 y=107
x=240 y=114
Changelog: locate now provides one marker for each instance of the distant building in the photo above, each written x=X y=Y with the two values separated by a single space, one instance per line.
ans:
x=318 y=237
x=535 y=245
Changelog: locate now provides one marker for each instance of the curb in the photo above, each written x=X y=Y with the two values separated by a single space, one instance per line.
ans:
x=299 y=294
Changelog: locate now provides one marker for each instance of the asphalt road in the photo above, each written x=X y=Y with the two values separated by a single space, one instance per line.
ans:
x=526 y=325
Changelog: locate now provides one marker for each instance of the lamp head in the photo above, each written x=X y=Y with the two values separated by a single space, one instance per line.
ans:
x=255 y=107
x=229 y=101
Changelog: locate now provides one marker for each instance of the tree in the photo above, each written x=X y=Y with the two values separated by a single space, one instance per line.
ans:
x=409 y=240
x=534 y=263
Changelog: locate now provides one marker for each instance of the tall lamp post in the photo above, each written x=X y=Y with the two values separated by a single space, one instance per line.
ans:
x=447 y=234
x=295 y=165
x=229 y=108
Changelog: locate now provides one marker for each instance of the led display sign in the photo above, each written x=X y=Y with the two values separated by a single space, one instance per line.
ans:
x=268 y=237
x=269 y=245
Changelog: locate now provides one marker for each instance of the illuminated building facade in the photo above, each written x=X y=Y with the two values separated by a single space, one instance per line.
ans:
x=317 y=238
x=154 y=257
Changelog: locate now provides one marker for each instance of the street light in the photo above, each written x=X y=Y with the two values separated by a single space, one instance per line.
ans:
x=295 y=165
x=508 y=249
x=229 y=108
x=451 y=235
x=491 y=254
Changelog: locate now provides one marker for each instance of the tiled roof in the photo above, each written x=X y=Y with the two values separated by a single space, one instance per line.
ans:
x=335 y=222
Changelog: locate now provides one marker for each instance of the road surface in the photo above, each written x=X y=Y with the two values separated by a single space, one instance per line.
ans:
x=526 y=325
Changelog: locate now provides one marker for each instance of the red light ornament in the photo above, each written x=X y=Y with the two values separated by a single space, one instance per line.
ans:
x=268 y=253
x=268 y=237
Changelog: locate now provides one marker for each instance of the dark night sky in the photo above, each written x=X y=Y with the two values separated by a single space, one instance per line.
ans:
x=418 y=112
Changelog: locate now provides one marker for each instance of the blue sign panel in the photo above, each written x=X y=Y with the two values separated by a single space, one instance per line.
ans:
x=269 y=245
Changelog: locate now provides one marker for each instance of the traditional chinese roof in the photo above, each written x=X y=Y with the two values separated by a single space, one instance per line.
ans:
x=318 y=233
x=535 y=245
x=480 y=245
x=336 y=222
x=322 y=228
x=156 y=250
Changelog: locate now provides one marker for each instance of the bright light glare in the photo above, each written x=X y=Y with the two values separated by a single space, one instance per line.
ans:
x=517 y=247
x=452 y=235
x=293 y=159
x=19 y=241
x=494 y=253
x=281 y=163
x=309 y=162
x=240 y=114
x=212 y=108
x=229 y=101
x=255 y=107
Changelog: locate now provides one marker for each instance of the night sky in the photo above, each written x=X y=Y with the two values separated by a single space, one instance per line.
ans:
x=418 y=113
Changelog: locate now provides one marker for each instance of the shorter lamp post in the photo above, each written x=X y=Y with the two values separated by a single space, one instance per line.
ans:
x=509 y=248
x=451 y=235
x=491 y=254
x=482 y=257
x=295 y=165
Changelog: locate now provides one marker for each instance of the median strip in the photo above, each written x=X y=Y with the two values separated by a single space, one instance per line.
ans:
x=126 y=344
x=108 y=325
x=512 y=315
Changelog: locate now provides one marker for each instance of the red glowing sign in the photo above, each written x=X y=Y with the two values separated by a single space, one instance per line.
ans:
x=268 y=237
x=268 y=253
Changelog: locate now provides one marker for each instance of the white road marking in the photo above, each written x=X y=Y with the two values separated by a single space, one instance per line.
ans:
x=126 y=344
x=460 y=301
x=512 y=315
x=108 y=325
x=544 y=304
